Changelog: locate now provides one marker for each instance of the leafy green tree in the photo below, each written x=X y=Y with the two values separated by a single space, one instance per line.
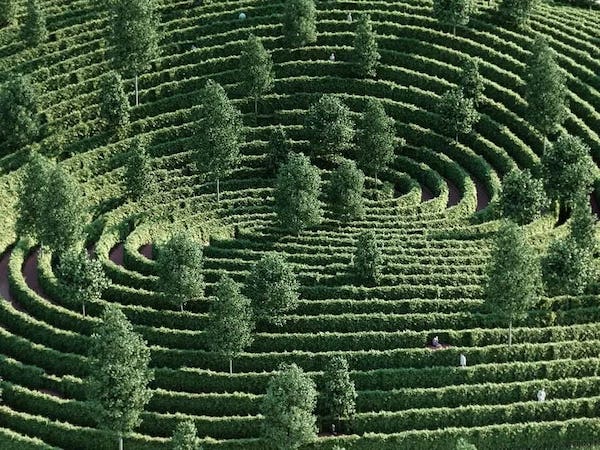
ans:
x=34 y=31
x=278 y=150
x=31 y=196
x=471 y=80
x=19 y=112
x=458 y=113
x=256 y=67
x=288 y=408
x=463 y=444
x=513 y=275
x=517 y=12
x=345 y=191
x=567 y=267
x=63 y=212
x=134 y=35
x=273 y=288
x=368 y=259
x=329 y=126
x=523 y=197
x=339 y=390
x=119 y=374
x=583 y=225
x=138 y=177
x=230 y=321
x=185 y=436
x=297 y=194
x=453 y=12
x=114 y=104
x=180 y=262
x=376 y=138
x=220 y=133
x=300 y=22
x=8 y=12
x=83 y=277
x=546 y=92
x=366 y=53
x=568 y=169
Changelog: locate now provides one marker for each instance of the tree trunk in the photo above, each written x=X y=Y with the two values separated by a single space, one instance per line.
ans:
x=454 y=30
x=218 y=192
x=83 y=308
x=181 y=306
x=256 y=110
x=510 y=332
x=456 y=137
x=230 y=366
x=137 y=92
x=376 y=187
x=120 y=442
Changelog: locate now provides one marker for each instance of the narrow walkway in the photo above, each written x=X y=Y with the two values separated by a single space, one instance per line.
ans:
x=30 y=273
x=146 y=250
x=4 y=284
x=453 y=193
x=483 y=199
x=116 y=254
x=426 y=194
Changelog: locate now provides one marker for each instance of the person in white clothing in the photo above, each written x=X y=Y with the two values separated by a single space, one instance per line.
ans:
x=462 y=361
x=332 y=57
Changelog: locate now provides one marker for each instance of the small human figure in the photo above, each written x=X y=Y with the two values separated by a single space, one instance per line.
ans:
x=541 y=395
x=435 y=342
x=462 y=361
x=349 y=17
x=242 y=16
x=332 y=57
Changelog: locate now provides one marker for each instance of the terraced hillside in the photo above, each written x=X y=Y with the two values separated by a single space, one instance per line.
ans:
x=436 y=234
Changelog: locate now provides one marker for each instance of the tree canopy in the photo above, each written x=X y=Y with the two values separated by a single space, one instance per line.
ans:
x=288 y=408
x=114 y=104
x=457 y=112
x=453 y=12
x=471 y=80
x=185 y=436
x=365 y=53
x=297 y=194
x=300 y=22
x=273 y=288
x=339 y=391
x=33 y=30
x=31 y=199
x=256 y=67
x=345 y=191
x=19 y=112
x=278 y=150
x=368 y=259
x=329 y=126
x=517 y=12
x=523 y=197
x=8 y=12
x=138 y=176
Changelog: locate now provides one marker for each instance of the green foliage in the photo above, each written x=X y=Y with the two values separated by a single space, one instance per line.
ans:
x=454 y=12
x=134 y=33
x=513 y=274
x=138 y=176
x=230 y=322
x=180 y=262
x=463 y=444
x=220 y=132
x=63 y=211
x=546 y=92
x=329 y=126
x=278 y=150
x=31 y=196
x=300 y=22
x=523 y=197
x=256 y=69
x=583 y=225
x=288 y=407
x=368 y=259
x=119 y=373
x=376 y=138
x=19 y=112
x=345 y=191
x=33 y=30
x=471 y=80
x=185 y=436
x=567 y=268
x=114 y=104
x=273 y=288
x=339 y=391
x=517 y=12
x=365 y=54
x=458 y=113
x=83 y=278
x=568 y=169
x=297 y=194
x=8 y=12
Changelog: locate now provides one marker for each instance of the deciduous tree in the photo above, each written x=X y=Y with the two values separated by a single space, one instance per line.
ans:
x=256 y=67
x=119 y=374
x=523 y=197
x=329 y=126
x=300 y=22
x=114 y=104
x=19 y=112
x=457 y=112
x=567 y=267
x=583 y=225
x=517 y=12
x=471 y=80
x=185 y=436
x=453 y=12
x=180 y=262
x=273 y=288
x=230 y=321
x=297 y=194
x=138 y=177
x=366 y=53
x=34 y=31
x=368 y=259
x=220 y=133
x=463 y=444
x=31 y=196
x=288 y=408
x=345 y=191
x=339 y=390
x=8 y=12
x=513 y=275
x=278 y=150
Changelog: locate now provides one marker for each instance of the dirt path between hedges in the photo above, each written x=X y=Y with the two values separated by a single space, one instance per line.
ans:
x=483 y=198
x=453 y=194
x=116 y=254
x=146 y=250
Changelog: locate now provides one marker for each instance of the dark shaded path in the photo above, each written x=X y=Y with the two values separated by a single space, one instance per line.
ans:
x=594 y=204
x=483 y=199
x=4 y=284
x=146 y=250
x=30 y=273
x=425 y=193
x=453 y=193
x=116 y=254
